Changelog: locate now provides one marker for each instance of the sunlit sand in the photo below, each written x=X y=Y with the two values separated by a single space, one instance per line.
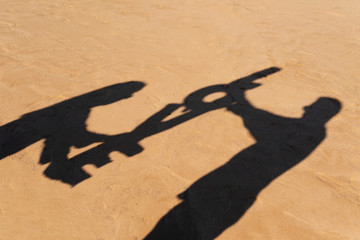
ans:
x=180 y=120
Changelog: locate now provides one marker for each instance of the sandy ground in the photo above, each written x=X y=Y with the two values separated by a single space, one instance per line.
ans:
x=63 y=177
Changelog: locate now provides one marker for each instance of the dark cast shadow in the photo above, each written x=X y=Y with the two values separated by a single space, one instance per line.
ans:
x=128 y=143
x=62 y=126
x=219 y=199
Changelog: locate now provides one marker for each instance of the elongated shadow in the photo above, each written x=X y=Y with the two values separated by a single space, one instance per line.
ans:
x=215 y=201
x=219 y=199
x=62 y=126
x=128 y=143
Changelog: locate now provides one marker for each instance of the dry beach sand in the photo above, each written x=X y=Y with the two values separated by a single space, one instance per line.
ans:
x=110 y=127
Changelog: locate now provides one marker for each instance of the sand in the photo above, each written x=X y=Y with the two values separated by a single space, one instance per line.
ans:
x=105 y=132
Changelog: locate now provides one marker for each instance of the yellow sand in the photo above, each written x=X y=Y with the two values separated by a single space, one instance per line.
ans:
x=52 y=51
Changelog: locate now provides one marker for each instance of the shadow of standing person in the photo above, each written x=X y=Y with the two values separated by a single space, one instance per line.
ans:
x=62 y=125
x=219 y=199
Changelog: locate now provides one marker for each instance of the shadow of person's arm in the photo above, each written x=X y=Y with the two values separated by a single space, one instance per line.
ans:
x=46 y=152
x=155 y=123
x=255 y=120
x=128 y=143
x=195 y=106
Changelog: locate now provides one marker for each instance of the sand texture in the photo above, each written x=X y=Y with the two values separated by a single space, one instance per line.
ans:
x=189 y=120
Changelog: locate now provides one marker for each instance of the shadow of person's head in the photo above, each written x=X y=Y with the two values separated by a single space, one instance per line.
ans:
x=111 y=94
x=322 y=110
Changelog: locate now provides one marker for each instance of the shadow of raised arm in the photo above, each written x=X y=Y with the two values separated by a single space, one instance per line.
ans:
x=128 y=143
x=220 y=198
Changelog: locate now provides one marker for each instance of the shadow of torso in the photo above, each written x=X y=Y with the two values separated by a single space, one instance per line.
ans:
x=219 y=199
x=62 y=125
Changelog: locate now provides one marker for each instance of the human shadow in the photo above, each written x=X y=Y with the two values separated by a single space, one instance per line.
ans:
x=62 y=125
x=128 y=143
x=219 y=199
